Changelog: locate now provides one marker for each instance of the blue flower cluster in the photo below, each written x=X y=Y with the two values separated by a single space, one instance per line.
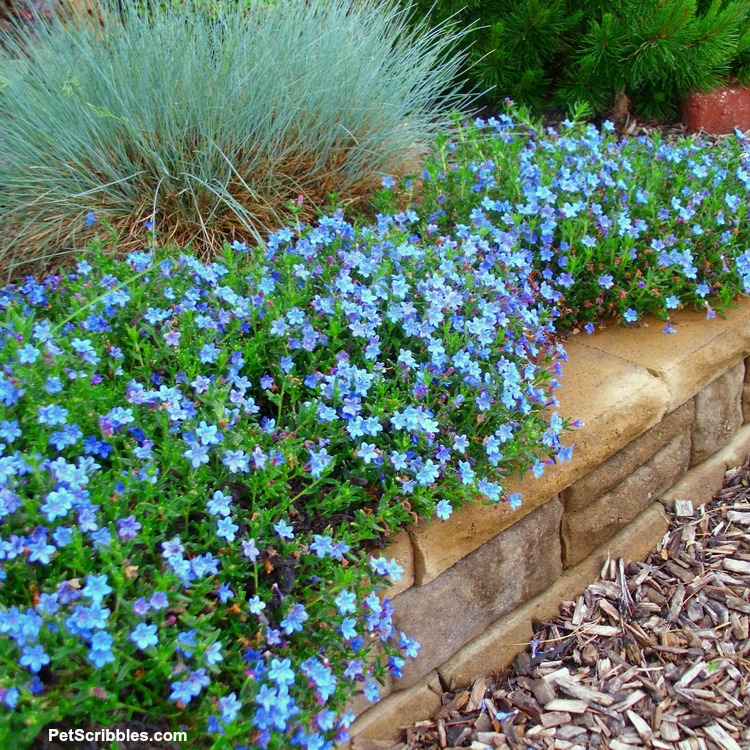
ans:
x=194 y=454
x=615 y=227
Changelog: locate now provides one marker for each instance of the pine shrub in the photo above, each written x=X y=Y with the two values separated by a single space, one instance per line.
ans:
x=654 y=52
x=650 y=53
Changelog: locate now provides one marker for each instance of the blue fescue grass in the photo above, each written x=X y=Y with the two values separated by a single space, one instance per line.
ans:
x=209 y=125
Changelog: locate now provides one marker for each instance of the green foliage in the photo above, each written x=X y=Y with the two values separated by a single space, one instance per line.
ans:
x=600 y=51
x=655 y=53
x=742 y=61
x=201 y=451
x=618 y=228
x=209 y=124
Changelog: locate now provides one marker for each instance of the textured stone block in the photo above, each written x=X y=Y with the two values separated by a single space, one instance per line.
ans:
x=440 y=544
x=688 y=360
x=616 y=400
x=401 y=709
x=400 y=547
x=718 y=414
x=636 y=453
x=746 y=393
x=493 y=650
x=584 y=530
x=736 y=453
x=699 y=484
x=458 y=605
x=628 y=402
x=703 y=481
x=502 y=641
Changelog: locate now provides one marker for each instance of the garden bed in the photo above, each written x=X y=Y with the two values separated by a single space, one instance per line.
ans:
x=669 y=417
x=199 y=454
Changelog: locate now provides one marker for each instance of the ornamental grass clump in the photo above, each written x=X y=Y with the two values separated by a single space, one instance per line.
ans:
x=208 y=125
x=194 y=456
x=615 y=227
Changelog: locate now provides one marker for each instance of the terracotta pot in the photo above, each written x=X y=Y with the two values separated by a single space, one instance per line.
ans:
x=718 y=112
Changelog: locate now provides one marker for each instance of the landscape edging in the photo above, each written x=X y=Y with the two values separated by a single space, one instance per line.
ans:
x=622 y=383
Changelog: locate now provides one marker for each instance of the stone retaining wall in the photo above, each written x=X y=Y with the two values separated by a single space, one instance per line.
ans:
x=664 y=417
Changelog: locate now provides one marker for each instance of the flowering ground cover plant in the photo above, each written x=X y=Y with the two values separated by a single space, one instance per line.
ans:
x=193 y=455
x=615 y=227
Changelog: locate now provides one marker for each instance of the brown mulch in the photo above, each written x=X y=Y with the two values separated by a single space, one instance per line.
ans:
x=654 y=654
x=672 y=132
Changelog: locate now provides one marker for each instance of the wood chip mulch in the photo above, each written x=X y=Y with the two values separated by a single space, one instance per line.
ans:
x=655 y=654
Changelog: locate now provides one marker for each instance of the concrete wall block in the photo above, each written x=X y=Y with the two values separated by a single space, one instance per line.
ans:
x=703 y=481
x=584 y=530
x=746 y=392
x=459 y=604
x=401 y=709
x=698 y=485
x=736 y=453
x=687 y=361
x=440 y=544
x=495 y=649
x=629 y=401
x=718 y=413
x=617 y=468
